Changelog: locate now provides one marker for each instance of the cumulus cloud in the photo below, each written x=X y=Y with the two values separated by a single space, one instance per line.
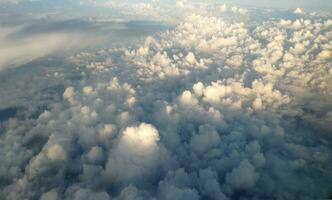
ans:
x=213 y=108
x=243 y=177
x=137 y=155
x=299 y=11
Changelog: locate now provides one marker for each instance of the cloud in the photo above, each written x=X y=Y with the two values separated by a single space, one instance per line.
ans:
x=298 y=11
x=136 y=155
x=37 y=38
x=213 y=108
x=16 y=50
x=243 y=177
x=21 y=52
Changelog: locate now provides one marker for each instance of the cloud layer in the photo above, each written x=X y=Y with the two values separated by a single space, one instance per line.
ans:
x=217 y=107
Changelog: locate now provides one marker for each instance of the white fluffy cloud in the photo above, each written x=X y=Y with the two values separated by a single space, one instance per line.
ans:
x=214 y=108
x=137 y=155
